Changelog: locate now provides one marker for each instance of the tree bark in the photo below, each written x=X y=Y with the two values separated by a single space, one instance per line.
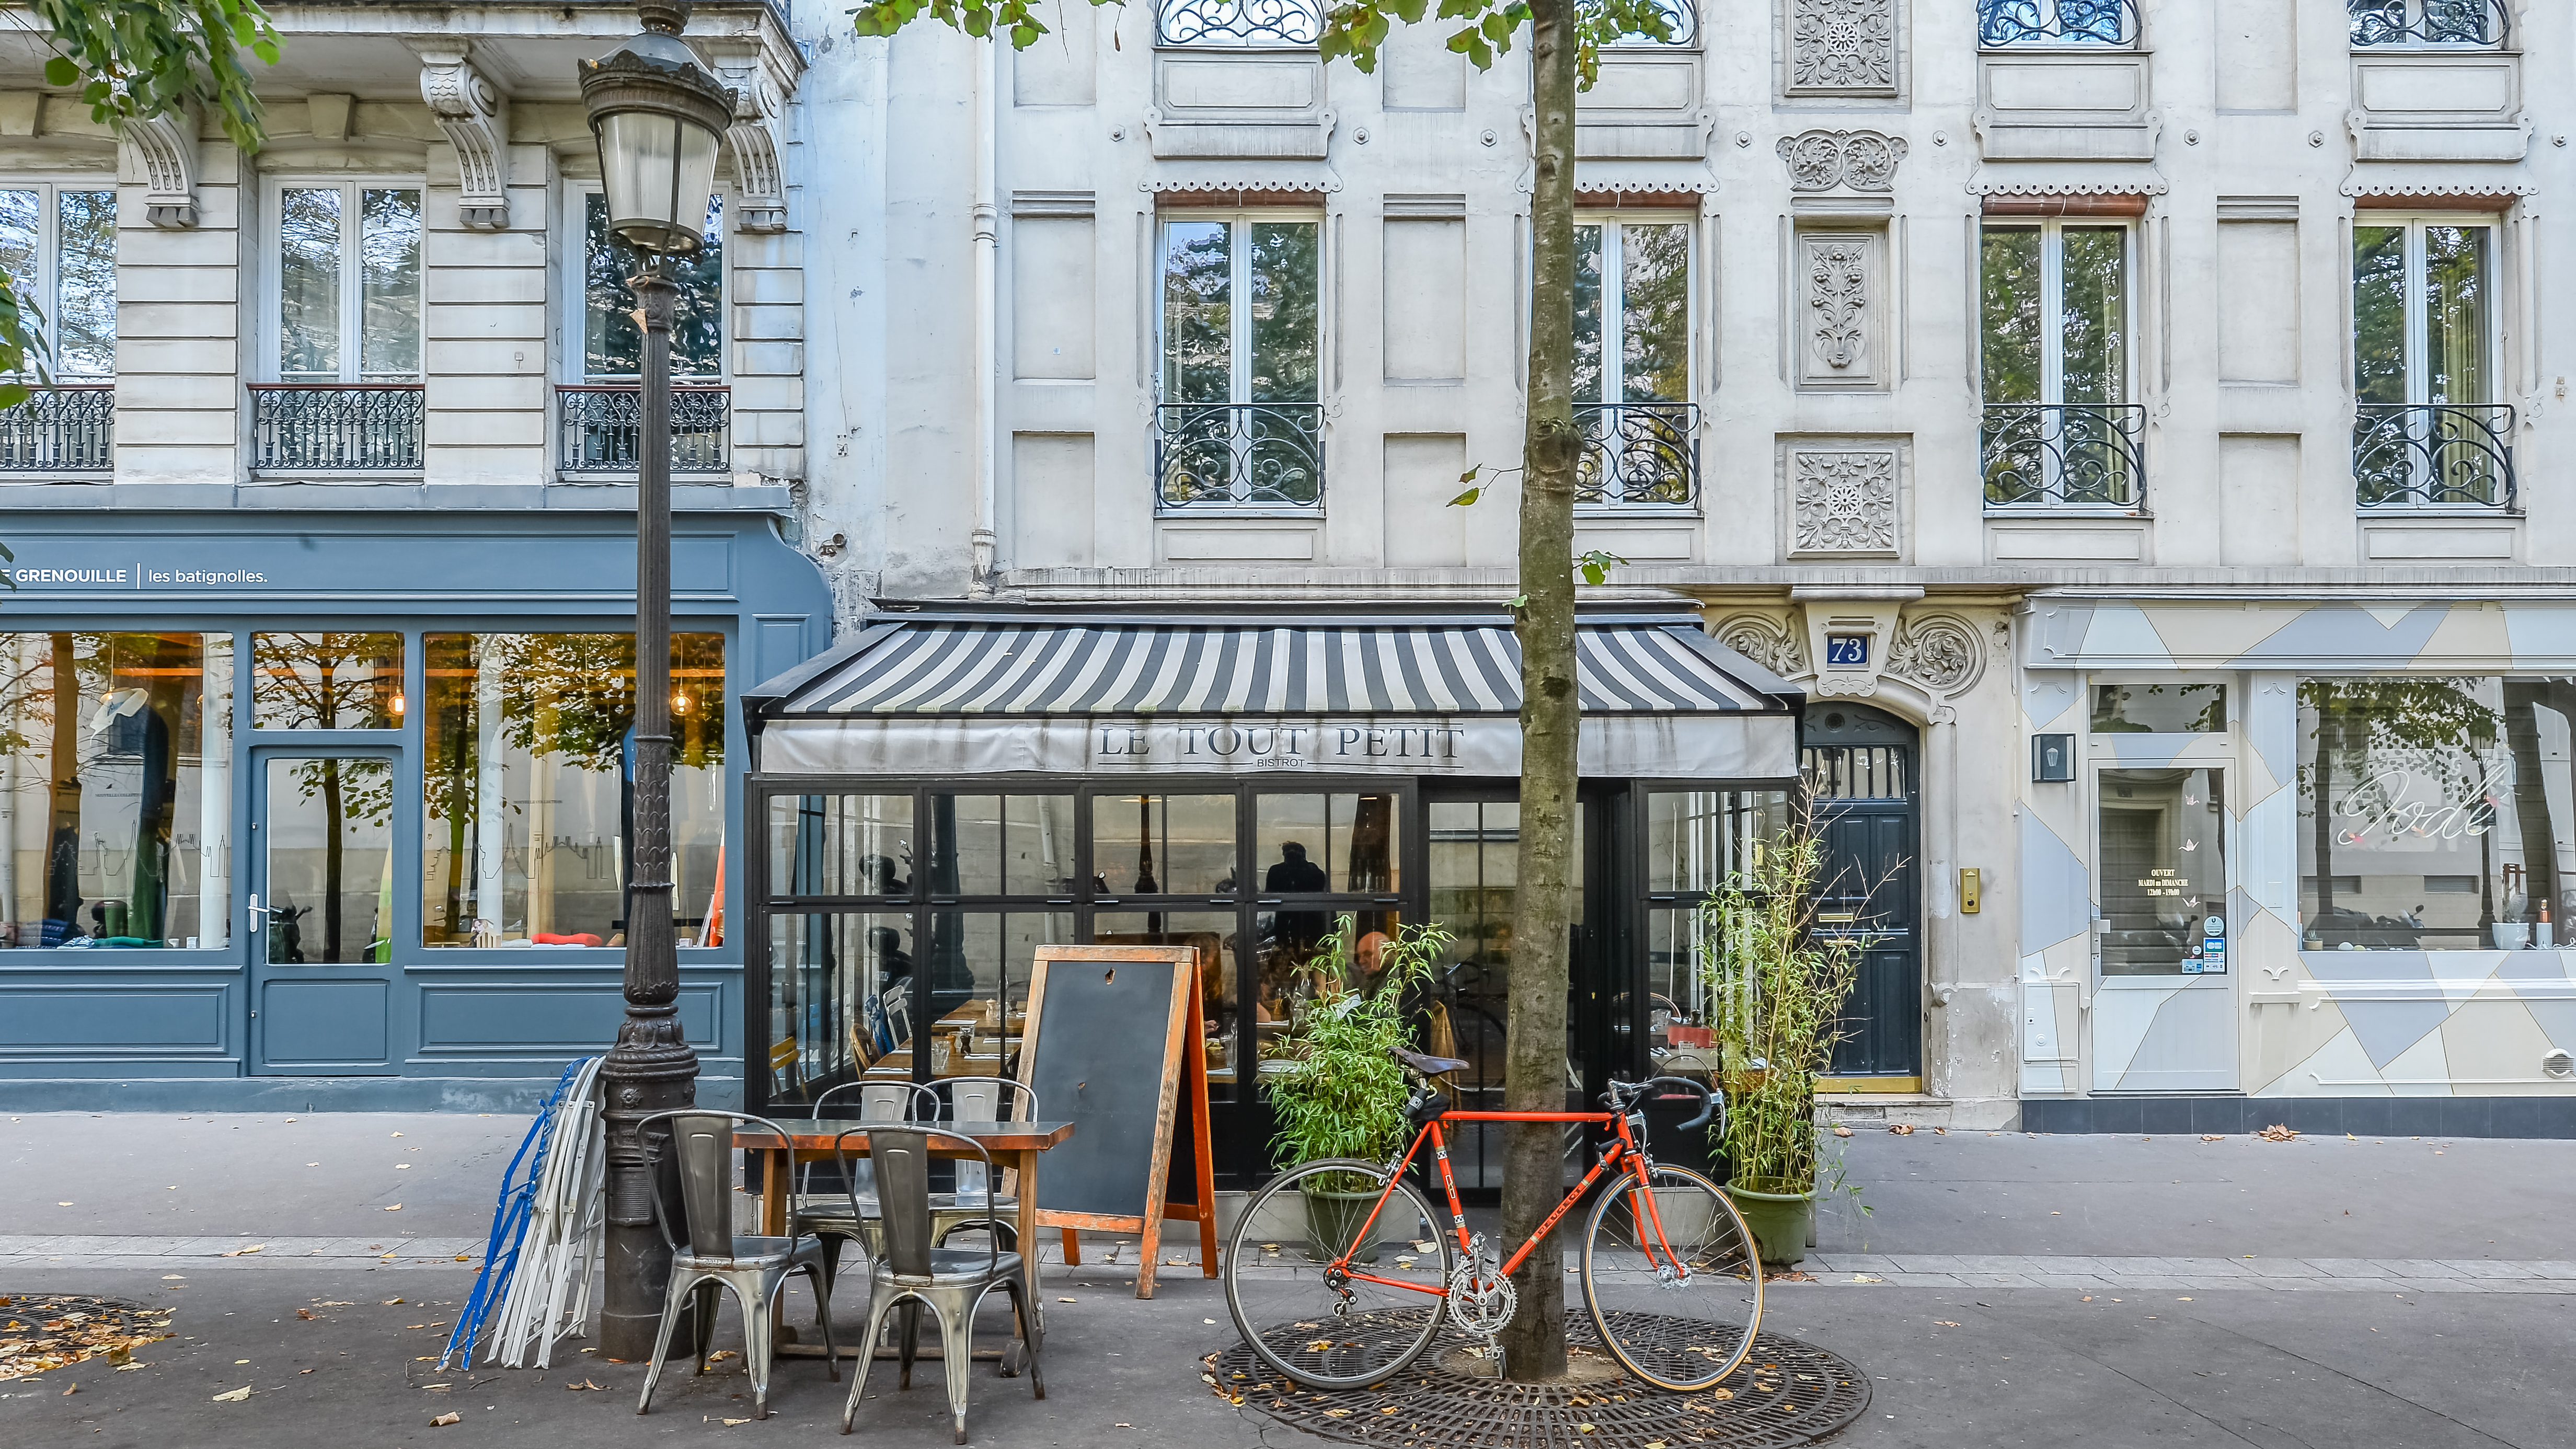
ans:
x=1535 y=1050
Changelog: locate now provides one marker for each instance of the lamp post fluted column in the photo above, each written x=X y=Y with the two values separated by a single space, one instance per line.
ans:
x=658 y=114
x=652 y=1068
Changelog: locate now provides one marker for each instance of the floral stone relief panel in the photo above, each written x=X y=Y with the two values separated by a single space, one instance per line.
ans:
x=1842 y=294
x=1841 y=47
x=1843 y=501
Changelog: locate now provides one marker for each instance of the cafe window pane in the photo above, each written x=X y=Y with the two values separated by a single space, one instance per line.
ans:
x=1677 y=994
x=1215 y=934
x=839 y=997
x=328 y=832
x=991 y=845
x=527 y=778
x=326 y=681
x=2164 y=869
x=2440 y=811
x=2161 y=709
x=975 y=958
x=840 y=845
x=116 y=790
x=1696 y=838
x=1339 y=844
x=1163 y=844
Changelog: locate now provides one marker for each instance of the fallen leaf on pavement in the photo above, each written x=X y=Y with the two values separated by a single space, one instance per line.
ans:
x=70 y=1389
x=1940 y=1131
x=720 y=1355
x=233 y=1396
x=2212 y=1137
x=1943 y=1323
x=1841 y=1131
x=1903 y=1129
x=304 y=1313
x=729 y=1423
x=2278 y=1132
x=246 y=1252
x=397 y=1207
x=450 y=1417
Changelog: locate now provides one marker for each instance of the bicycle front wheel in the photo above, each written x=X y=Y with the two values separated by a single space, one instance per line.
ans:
x=1672 y=1279
x=1334 y=1273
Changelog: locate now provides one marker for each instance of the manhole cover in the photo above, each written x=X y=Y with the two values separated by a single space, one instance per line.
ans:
x=41 y=1331
x=1787 y=1393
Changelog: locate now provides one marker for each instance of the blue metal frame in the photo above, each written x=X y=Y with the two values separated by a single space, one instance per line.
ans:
x=471 y=1028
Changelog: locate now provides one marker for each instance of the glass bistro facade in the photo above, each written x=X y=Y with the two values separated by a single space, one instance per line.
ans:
x=891 y=894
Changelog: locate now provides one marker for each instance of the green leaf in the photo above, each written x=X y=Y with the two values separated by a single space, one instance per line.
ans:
x=1517 y=601
x=1468 y=498
x=61 y=72
x=12 y=394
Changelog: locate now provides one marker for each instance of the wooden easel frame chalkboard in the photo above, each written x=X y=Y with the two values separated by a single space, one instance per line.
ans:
x=1056 y=1072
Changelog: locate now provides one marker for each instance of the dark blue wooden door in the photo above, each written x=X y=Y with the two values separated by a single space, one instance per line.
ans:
x=1861 y=767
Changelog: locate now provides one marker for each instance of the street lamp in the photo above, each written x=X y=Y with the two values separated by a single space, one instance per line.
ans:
x=657 y=115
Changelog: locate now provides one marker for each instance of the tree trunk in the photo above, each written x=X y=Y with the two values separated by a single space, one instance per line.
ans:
x=1534 y=1070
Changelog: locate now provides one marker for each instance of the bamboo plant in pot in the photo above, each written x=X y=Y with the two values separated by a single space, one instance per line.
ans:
x=1777 y=991
x=1335 y=1090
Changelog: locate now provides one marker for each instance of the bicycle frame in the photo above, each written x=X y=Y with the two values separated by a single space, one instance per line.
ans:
x=1623 y=1149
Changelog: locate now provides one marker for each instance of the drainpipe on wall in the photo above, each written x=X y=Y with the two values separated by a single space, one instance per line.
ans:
x=979 y=583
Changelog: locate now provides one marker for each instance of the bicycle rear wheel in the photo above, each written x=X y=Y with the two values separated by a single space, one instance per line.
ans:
x=1685 y=1255
x=1313 y=1322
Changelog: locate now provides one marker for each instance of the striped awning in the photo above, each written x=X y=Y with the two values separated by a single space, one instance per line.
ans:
x=928 y=675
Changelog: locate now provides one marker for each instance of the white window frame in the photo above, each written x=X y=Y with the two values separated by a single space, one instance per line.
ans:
x=2414 y=223
x=574 y=262
x=1239 y=291
x=1614 y=297
x=47 y=292
x=2052 y=287
x=272 y=278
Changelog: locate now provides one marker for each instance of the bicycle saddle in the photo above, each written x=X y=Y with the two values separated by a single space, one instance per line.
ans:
x=1429 y=1066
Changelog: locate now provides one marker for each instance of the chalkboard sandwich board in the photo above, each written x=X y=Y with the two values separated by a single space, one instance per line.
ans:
x=1112 y=1045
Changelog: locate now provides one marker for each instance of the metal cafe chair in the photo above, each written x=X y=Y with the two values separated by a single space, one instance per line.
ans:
x=950 y=1282
x=706 y=1253
x=830 y=1216
x=982 y=1099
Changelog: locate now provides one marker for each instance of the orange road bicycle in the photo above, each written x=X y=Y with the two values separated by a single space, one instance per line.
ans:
x=1344 y=1265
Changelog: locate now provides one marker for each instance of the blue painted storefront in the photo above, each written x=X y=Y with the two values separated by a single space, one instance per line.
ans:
x=447 y=1028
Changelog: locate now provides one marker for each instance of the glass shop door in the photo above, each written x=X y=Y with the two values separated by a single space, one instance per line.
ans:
x=2164 y=1004
x=320 y=903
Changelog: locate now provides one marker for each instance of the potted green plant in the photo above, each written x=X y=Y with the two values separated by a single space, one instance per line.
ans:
x=1334 y=1086
x=1777 y=991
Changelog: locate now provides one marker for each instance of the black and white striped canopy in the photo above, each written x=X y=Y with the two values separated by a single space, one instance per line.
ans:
x=929 y=674
x=1044 y=667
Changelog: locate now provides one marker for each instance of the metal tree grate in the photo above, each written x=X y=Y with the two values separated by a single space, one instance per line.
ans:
x=1787 y=1393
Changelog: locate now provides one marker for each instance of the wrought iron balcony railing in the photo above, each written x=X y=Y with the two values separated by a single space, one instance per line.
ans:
x=332 y=427
x=67 y=428
x=1238 y=22
x=2429 y=22
x=1238 y=455
x=2043 y=455
x=603 y=428
x=2433 y=455
x=1637 y=455
x=2057 y=22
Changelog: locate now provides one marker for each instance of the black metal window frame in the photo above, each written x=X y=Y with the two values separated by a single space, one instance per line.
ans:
x=600 y=429
x=2090 y=24
x=2448 y=24
x=2051 y=456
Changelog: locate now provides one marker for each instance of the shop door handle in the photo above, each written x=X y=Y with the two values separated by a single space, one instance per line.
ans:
x=255 y=915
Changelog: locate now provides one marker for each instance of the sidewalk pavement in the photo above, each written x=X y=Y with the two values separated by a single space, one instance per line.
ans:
x=2005 y=1290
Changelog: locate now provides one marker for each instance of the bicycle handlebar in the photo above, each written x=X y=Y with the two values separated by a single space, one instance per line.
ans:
x=1622 y=1094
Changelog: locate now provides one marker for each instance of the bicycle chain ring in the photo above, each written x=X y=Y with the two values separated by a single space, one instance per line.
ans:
x=1480 y=1309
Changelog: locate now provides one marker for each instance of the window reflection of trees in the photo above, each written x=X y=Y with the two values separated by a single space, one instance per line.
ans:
x=527 y=733
x=101 y=752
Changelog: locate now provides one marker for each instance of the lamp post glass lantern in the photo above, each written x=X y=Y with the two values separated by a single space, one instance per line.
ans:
x=657 y=115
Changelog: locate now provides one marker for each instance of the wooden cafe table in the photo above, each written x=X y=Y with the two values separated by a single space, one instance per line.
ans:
x=1015 y=1146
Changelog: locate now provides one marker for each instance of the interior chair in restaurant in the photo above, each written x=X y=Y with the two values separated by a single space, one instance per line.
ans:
x=950 y=1282
x=707 y=1254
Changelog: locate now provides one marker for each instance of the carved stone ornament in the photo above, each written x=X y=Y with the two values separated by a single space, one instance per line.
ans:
x=760 y=188
x=1860 y=160
x=1938 y=651
x=475 y=117
x=1846 y=46
x=1838 y=297
x=164 y=150
x=1845 y=500
x=1765 y=642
